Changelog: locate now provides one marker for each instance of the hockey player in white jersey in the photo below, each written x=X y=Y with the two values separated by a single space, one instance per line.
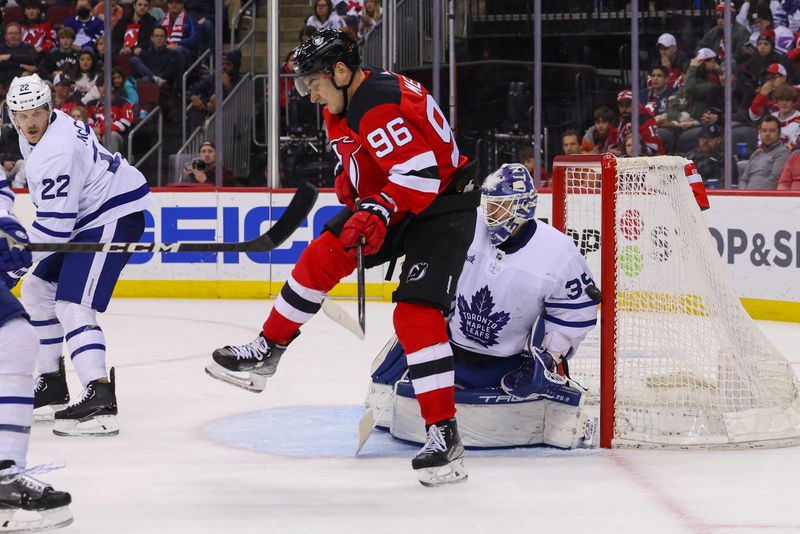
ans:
x=524 y=303
x=82 y=193
x=26 y=504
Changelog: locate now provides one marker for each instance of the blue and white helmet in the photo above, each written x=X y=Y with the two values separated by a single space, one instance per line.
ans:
x=508 y=198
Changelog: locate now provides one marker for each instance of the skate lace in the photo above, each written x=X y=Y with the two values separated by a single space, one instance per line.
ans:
x=435 y=441
x=253 y=350
x=14 y=473
x=39 y=386
x=85 y=395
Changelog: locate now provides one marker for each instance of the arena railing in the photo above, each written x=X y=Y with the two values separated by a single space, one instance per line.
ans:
x=158 y=146
x=250 y=35
x=184 y=79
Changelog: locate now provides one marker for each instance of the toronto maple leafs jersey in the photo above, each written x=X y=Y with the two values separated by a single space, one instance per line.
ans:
x=500 y=296
x=76 y=184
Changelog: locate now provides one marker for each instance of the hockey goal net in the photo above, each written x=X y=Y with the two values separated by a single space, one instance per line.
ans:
x=676 y=360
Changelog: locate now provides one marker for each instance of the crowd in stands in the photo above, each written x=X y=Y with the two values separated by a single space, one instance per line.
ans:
x=680 y=105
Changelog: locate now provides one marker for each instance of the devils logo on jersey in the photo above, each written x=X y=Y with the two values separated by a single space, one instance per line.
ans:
x=346 y=148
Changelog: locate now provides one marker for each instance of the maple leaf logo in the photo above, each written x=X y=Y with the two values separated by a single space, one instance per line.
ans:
x=479 y=322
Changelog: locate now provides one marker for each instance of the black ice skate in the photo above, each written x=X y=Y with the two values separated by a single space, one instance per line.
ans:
x=28 y=504
x=95 y=413
x=247 y=366
x=441 y=459
x=50 y=394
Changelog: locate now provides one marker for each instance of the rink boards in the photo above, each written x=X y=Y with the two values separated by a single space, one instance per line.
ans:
x=757 y=236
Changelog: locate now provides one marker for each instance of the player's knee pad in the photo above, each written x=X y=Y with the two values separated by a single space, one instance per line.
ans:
x=325 y=250
x=38 y=297
x=19 y=345
x=72 y=315
x=419 y=326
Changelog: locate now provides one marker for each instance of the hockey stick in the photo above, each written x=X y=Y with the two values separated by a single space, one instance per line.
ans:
x=362 y=296
x=368 y=421
x=297 y=210
x=337 y=314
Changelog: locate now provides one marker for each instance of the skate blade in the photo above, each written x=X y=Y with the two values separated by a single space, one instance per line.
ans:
x=100 y=426
x=446 y=474
x=34 y=521
x=46 y=414
x=245 y=379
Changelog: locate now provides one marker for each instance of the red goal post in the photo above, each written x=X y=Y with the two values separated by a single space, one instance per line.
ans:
x=677 y=362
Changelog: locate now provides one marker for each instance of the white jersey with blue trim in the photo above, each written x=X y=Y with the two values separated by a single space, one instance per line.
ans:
x=501 y=295
x=76 y=184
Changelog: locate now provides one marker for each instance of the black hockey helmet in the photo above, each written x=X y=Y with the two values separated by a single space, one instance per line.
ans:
x=321 y=52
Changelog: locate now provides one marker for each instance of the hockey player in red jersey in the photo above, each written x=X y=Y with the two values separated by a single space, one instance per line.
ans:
x=401 y=179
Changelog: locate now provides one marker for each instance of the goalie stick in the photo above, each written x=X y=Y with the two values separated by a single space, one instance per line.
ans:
x=297 y=210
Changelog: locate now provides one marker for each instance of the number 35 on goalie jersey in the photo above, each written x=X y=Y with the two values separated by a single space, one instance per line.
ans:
x=394 y=138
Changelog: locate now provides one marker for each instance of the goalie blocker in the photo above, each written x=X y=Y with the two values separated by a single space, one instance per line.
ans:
x=487 y=417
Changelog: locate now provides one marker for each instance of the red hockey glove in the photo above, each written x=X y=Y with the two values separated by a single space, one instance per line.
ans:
x=370 y=221
x=344 y=188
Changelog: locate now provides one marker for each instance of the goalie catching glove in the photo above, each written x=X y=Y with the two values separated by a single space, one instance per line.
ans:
x=370 y=221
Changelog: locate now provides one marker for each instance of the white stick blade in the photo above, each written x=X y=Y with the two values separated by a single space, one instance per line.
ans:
x=337 y=314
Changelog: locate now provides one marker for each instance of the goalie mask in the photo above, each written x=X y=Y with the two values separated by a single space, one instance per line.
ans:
x=27 y=93
x=508 y=198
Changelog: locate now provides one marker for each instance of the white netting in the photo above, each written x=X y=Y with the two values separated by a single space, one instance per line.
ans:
x=692 y=369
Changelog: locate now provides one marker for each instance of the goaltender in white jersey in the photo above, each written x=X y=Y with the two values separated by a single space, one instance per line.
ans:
x=524 y=303
x=82 y=193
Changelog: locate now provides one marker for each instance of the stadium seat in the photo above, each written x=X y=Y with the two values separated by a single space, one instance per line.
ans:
x=148 y=94
x=57 y=14
x=12 y=14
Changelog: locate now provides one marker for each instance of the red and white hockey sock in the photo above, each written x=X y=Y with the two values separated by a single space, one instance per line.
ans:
x=321 y=266
x=422 y=332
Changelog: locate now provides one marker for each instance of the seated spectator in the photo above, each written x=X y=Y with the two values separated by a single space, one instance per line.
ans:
x=11 y=158
x=648 y=130
x=709 y=157
x=765 y=56
x=88 y=71
x=527 y=157
x=763 y=20
x=659 y=92
x=603 y=134
x=670 y=57
x=62 y=59
x=123 y=87
x=345 y=8
x=100 y=52
x=64 y=95
x=764 y=167
x=35 y=31
x=87 y=27
x=789 y=117
x=713 y=38
x=121 y=118
x=764 y=101
x=702 y=88
x=79 y=113
x=183 y=35
x=132 y=35
x=370 y=17
x=158 y=63
x=202 y=11
x=324 y=18
x=790 y=177
x=116 y=12
x=202 y=94
x=628 y=144
x=16 y=57
x=202 y=170
x=712 y=115
x=570 y=143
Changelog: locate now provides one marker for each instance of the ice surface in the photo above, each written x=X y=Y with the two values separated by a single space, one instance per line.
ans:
x=198 y=456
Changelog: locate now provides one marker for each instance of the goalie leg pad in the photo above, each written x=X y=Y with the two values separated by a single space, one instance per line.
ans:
x=568 y=427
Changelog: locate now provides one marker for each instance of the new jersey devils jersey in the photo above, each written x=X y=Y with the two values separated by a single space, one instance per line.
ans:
x=395 y=139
